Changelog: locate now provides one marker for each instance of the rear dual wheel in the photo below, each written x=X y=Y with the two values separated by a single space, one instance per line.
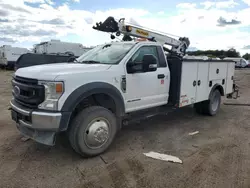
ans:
x=211 y=106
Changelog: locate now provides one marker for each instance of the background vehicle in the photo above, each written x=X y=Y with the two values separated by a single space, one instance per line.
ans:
x=9 y=55
x=32 y=59
x=248 y=65
x=57 y=46
x=113 y=84
x=239 y=62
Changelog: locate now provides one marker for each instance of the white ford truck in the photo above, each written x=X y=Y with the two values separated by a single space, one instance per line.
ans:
x=110 y=85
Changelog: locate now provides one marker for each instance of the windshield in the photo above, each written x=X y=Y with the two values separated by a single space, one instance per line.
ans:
x=106 y=54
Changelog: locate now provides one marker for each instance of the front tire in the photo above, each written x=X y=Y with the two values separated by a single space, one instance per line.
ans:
x=92 y=131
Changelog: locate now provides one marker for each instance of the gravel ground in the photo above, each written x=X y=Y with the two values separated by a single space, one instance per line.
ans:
x=219 y=156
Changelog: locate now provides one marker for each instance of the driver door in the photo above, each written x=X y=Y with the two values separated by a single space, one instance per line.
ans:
x=145 y=89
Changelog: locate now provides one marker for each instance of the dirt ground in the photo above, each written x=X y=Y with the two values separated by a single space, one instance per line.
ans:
x=219 y=156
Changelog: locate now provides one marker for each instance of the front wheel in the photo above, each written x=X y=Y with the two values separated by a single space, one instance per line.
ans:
x=92 y=131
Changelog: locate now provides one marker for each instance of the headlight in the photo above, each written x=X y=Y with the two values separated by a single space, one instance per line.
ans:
x=53 y=91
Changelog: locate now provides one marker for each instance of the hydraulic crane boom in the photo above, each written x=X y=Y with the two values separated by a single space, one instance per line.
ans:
x=110 y=25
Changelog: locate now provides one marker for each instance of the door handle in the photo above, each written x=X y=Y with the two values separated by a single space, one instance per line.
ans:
x=161 y=76
x=199 y=82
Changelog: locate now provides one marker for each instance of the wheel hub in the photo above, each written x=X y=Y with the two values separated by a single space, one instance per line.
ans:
x=97 y=133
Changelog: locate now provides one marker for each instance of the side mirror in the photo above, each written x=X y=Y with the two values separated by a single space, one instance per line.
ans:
x=149 y=63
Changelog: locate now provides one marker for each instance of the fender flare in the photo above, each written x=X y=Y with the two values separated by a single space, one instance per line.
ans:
x=89 y=89
x=221 y=89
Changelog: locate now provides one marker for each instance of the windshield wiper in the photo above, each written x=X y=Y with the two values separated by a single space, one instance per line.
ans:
x=91 y=62
x=106 y=46
x=72 y=60
x=75 y=61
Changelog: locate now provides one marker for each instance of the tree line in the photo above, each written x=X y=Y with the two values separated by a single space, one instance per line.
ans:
x=246 y=56
x=219 y=53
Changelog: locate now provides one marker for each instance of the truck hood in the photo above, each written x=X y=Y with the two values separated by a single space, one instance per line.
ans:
x=51 y=71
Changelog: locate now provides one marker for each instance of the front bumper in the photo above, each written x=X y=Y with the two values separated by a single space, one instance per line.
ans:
x=39 y=125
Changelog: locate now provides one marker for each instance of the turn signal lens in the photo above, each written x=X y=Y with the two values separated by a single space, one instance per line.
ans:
x=59 y=87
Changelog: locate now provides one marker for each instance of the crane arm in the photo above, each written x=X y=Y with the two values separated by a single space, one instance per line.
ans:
x=111 y=26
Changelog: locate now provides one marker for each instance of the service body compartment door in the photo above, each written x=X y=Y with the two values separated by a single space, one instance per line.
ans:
x=188 y=83
x=202 y=82
x=229 y=80
x=217 y=70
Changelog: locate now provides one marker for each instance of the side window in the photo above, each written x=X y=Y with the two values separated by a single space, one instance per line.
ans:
x=138 y=56
x=162 y=57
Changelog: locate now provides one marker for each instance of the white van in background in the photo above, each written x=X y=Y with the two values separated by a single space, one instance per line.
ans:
x=239 y=61
x=57 y=46
x=9 y=55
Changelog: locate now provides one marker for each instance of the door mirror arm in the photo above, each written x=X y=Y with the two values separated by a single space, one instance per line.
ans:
x=133 y=67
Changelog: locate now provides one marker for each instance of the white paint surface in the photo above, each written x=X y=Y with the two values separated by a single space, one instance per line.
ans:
x=163 y=157
x=193 y=133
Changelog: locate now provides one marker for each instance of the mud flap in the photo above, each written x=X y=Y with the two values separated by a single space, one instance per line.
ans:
x=235 y=93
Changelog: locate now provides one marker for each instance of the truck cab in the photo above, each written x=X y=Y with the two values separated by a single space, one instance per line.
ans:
x=46 y=98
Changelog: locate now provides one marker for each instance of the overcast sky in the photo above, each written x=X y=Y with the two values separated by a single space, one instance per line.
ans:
x=208 y=24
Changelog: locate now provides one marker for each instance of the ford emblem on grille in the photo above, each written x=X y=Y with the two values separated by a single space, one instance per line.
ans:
x=17 y=90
